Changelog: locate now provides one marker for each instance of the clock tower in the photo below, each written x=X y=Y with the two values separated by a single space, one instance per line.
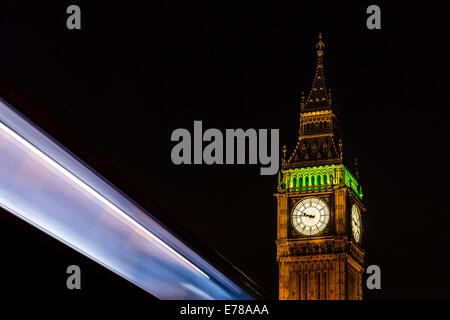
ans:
x=320 y=213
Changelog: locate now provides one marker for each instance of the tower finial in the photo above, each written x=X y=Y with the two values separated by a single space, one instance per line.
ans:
x=302 y=102
x=320 y=45
x=318 y=95
x=356 y=168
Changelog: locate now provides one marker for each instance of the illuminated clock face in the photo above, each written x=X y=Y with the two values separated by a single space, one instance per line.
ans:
x=310 y=216
x=356 y=224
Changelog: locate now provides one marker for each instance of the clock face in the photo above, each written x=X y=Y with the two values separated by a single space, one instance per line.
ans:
x=356 y=224
x=310 y=216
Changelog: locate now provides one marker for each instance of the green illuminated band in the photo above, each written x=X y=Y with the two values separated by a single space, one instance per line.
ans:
x=317 y=178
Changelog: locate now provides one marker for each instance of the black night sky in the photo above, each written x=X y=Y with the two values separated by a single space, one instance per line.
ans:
x=114 y=91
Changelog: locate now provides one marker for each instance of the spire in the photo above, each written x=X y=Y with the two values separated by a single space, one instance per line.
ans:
x=318 y=97
x=318 y=140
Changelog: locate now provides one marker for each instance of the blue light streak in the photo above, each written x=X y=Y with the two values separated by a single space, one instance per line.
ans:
x=47 y=186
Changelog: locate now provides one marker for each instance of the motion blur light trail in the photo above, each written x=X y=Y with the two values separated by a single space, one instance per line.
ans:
x=43 y=184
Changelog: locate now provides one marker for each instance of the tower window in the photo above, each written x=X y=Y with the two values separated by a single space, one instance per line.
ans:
x=300 y=286
x=318 y=285
x=306 y=285
x=318 y=180
x=325 y=179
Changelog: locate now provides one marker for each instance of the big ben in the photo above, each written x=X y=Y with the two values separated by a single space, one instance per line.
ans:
x=320 y=212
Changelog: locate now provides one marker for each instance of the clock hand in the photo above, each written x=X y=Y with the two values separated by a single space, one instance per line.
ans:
x=304 y=214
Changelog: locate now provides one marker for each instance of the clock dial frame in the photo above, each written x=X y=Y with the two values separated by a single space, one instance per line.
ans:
x=356 y=223
x=310 y=216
